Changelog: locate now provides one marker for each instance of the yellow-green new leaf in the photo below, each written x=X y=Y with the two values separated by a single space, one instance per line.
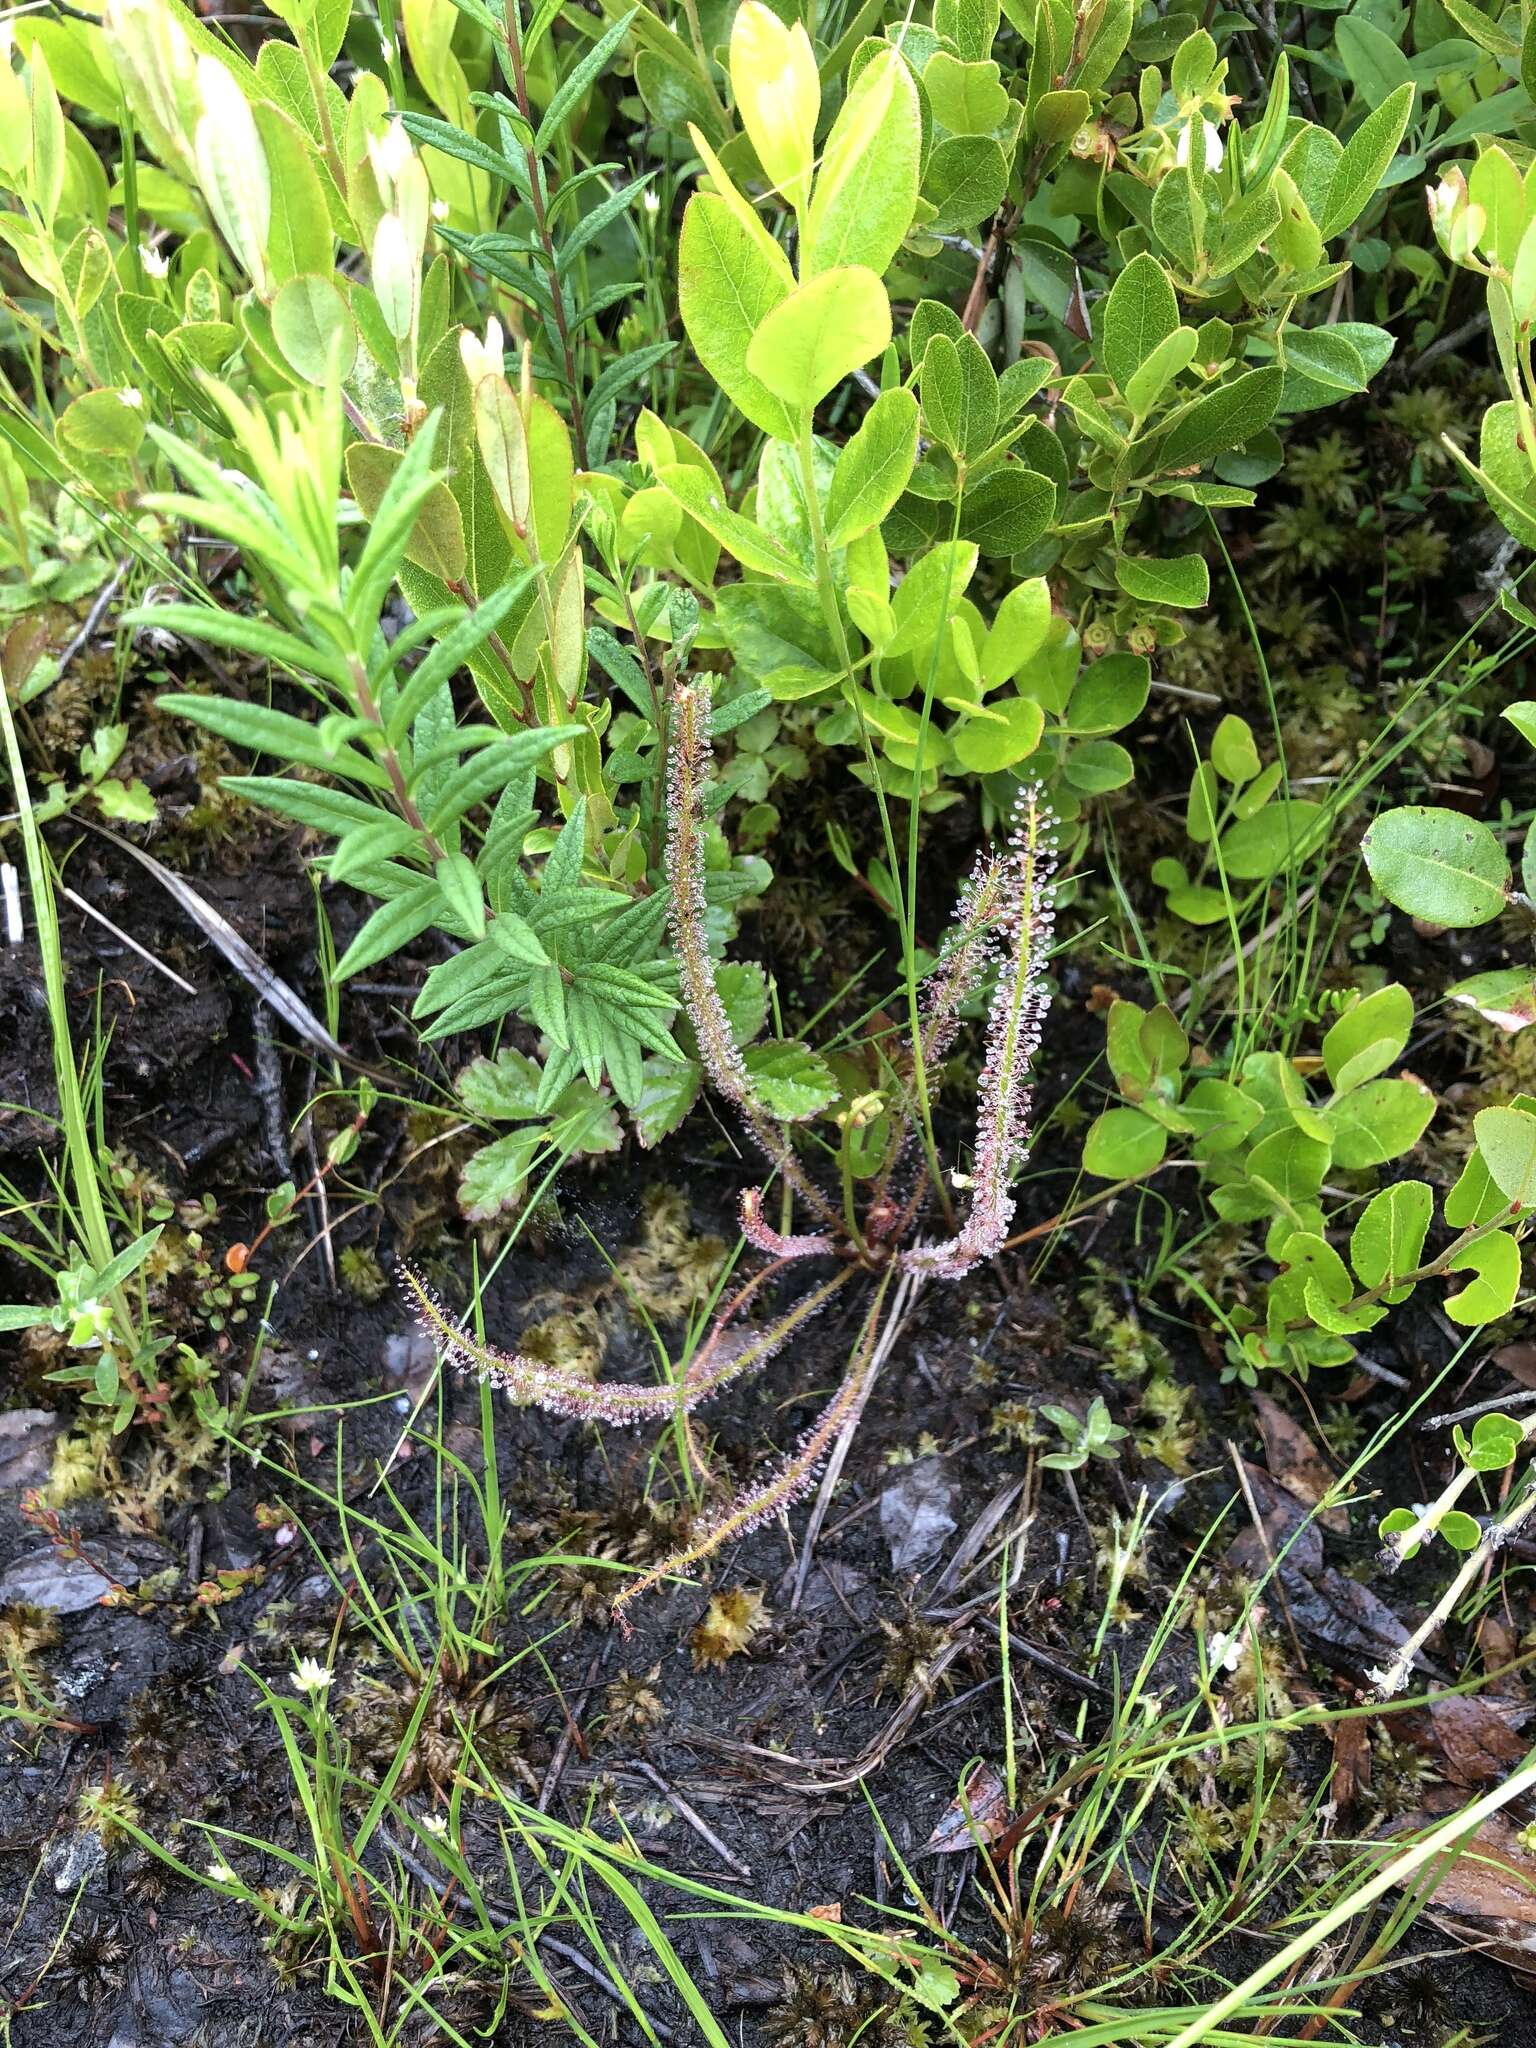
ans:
x=999 y=737
x=873 y=469
x=727 y=287
x=866 y=190
x=778 y=95
x=819 y=335
x=741 y=537
x=725 y=188
x=1506 y=1141
x=232 y=168
x=47 y=118
x=551 y=476
x=1388 y=1240
x=300 y=238
x=154 y=62
x=1495 y=185
x=968 y=98
x=503 y=442
x=1368 y=1037
x=928 y=593
x=1017 y=633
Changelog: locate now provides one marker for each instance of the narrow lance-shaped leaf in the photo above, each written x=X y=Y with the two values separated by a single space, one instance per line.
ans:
x=580 y=80
x=1358 y=174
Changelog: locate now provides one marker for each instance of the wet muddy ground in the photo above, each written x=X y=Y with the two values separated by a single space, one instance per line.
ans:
x=874 y=1689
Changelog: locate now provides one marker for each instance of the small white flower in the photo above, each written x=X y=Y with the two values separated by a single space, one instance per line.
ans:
x=435 y=1824
x=132 y=398
x=650 y=199
x=1215 y=148
x=152 y=262
x=311 y=1676
x=220 y=1872
x=1224 y=1651
x=440 y=209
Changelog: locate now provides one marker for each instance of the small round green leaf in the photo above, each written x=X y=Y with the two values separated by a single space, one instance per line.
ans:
x=1278 y=837
x=1123 y=1144
x=1437 y=865
x=1495 y=1263
x=1182 y=580
x=1461 y=1531
x=1098 y=765
x=1381 y=1120
x=312 y=326
x=1506 y=1141
x=1110 y=693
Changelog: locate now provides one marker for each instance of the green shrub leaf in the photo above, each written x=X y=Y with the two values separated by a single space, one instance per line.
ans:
x=1366 y=156
x=1123 y=1144
x=1181 y=580
x=1368 y=1037
x=1495 y=1262
x=873 y=469
x=823 y=332
x=1506 y=1143
x=1437 y=864
x=1139 y=315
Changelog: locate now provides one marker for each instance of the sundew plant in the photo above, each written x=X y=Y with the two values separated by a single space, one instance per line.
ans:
x=1004 y=924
